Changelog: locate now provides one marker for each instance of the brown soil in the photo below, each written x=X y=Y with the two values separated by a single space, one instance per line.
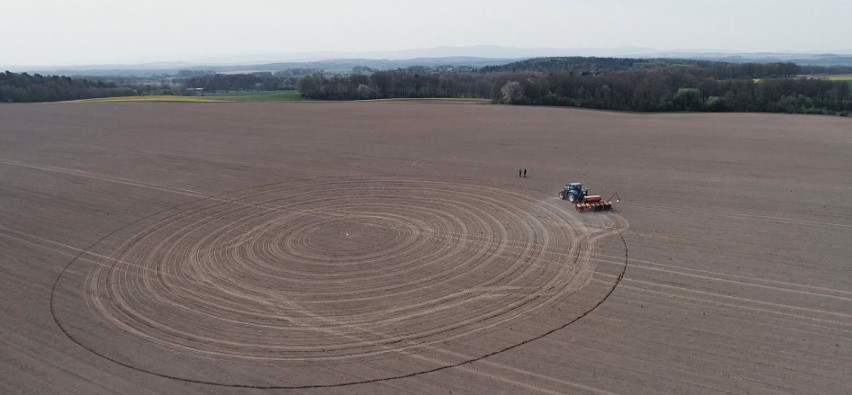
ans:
x=391 y=247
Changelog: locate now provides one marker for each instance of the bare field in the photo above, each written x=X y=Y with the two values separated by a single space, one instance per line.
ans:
x=390 y=246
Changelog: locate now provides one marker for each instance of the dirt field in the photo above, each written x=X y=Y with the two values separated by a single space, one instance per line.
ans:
x=386 y=247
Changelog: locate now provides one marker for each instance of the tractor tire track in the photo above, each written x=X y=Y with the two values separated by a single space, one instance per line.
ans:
x=335 y=271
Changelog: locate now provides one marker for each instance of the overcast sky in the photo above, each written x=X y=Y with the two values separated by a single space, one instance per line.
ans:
x=62 y=32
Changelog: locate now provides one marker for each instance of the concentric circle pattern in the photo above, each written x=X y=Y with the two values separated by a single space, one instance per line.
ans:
x=339 y=270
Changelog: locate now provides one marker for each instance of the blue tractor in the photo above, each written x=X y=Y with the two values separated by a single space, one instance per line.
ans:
x=574 y=192
x=579 y=196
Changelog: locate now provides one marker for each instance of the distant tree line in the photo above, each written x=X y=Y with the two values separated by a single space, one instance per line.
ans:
x=23 y=88
x=595 y=66
x=262 y=81
x=677 y=89
x=605 y=83
x=395 y=84
x=590 y=82
x=144 y=86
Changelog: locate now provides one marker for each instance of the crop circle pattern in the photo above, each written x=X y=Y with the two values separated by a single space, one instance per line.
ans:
x=340 y=270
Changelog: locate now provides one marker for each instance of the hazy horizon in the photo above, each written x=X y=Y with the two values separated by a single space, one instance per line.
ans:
x=93 y=32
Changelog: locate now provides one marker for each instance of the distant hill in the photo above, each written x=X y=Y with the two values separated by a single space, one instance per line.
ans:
x=801 y=59
x=328 y=66
x=470 y=56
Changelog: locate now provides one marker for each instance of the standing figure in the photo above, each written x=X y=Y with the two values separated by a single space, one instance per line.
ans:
x=525 y=173
x=519 y=172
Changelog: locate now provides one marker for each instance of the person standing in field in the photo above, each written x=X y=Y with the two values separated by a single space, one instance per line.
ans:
x=519 y=172
x=525 y=173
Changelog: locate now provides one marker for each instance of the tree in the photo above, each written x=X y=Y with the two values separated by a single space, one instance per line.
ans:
x=688 y=99
x=512 y=92
x=311 y=86
x=364 y=92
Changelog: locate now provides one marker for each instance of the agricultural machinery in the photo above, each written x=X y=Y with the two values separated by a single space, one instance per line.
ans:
x=579 y=196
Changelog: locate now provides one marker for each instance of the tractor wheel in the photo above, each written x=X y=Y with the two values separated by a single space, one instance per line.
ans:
x=572 y=197
x=562 y=195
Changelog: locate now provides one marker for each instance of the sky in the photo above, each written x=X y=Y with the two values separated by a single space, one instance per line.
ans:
x=90 y=32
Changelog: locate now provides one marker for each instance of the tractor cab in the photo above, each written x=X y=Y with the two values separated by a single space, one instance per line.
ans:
x=574 y=192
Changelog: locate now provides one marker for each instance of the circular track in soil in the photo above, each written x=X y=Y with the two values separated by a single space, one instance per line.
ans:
x=326 y=275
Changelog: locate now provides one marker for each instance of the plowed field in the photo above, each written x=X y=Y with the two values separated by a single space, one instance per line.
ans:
x=392 y=247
